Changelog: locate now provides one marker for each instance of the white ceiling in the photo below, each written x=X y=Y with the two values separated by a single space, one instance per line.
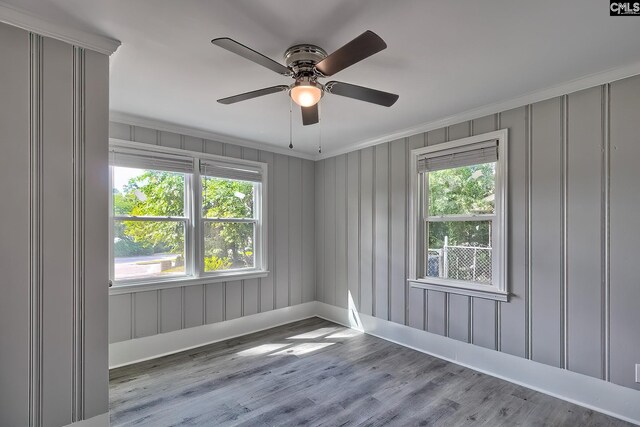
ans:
x=443 y=58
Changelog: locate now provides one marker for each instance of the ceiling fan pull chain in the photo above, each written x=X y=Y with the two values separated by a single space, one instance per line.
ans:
x=319 y=133
x=290 y=124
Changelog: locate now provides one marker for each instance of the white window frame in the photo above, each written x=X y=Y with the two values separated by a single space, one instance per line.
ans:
x=194 y=236
x=418 y=210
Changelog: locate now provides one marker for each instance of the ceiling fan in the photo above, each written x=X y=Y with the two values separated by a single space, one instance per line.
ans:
x=306 y=63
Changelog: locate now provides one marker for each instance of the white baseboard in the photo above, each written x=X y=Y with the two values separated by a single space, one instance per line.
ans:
x=101 y=420
x=140 y=349
x=617 y=401
x=611 y=399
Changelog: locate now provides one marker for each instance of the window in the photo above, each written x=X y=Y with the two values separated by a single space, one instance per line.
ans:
x=179 y=216
x=458 y=213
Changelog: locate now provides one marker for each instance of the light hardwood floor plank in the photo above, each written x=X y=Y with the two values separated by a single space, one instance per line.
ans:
x=315 y=372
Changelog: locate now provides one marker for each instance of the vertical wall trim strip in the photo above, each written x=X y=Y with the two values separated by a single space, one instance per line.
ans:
x=346 y=226
x=272 y=220
x=301 y=235
x=242 y=298
x=470 y=321
x=407 y=197
x=288 y=239
x=606 y=229
x=389 y=222
x=259 y=308
x=242 y=287
x=373 y=232
x=35 y=231
x=425 y=314
x=204 y=303
x=564 y=207
x=182 y=308
x=447 y=295
x=335 y=231
x=359 y=230
x=527 y=237
x=498 y=305
x=78 y=373
x=224 y=301
x=159 y=311
x=470 y=300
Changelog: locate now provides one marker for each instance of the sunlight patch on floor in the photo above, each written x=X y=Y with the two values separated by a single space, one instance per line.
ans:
x=318 y=333
x=304 y=348
x=261 y=349
x=347 y=333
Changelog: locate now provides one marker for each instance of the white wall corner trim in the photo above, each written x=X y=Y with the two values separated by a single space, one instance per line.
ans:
x=133 y=120
x=27 y=21
x=571 y=86
x=140 y=349
x=101 y=420
x=608 y=398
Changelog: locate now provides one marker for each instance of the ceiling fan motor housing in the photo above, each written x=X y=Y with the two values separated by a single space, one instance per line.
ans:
x=302 y=58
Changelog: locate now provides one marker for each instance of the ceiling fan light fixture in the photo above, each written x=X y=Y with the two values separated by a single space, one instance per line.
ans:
x=306 y=93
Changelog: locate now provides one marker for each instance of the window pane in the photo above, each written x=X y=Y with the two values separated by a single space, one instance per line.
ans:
x=226 y=198
x=140 y=192
x=460 y=250
x=228 y=245
x=463 y=191
x=147 y=249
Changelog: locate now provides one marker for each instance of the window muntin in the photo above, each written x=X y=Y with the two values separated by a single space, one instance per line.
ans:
x=166 y=216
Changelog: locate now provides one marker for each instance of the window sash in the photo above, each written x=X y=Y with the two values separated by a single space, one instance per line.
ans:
x=257 y=256
x=460 y=218
x=188 y=258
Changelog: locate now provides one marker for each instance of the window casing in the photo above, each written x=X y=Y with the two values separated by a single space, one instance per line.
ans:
x=458 y=224
x=165 y=227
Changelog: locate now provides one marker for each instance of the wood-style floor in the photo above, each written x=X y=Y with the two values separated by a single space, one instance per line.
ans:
x=314 y=372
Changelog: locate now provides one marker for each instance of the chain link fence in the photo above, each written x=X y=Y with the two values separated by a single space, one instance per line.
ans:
x=468 y=263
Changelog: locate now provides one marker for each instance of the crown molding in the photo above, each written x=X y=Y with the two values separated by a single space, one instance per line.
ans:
x=133 y=120
x=19 y=18
x=571 y=86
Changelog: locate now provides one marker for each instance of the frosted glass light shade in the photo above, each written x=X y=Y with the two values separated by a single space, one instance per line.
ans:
x=306 y=95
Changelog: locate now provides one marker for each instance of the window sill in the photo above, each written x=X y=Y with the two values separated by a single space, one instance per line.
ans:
x=129 y=288
x=471 y=289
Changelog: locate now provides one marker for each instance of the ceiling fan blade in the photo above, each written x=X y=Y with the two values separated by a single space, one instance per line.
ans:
x=310 y=115
x=252 y=94
x=362 y=93
x=363 y=46
x=250 y=54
